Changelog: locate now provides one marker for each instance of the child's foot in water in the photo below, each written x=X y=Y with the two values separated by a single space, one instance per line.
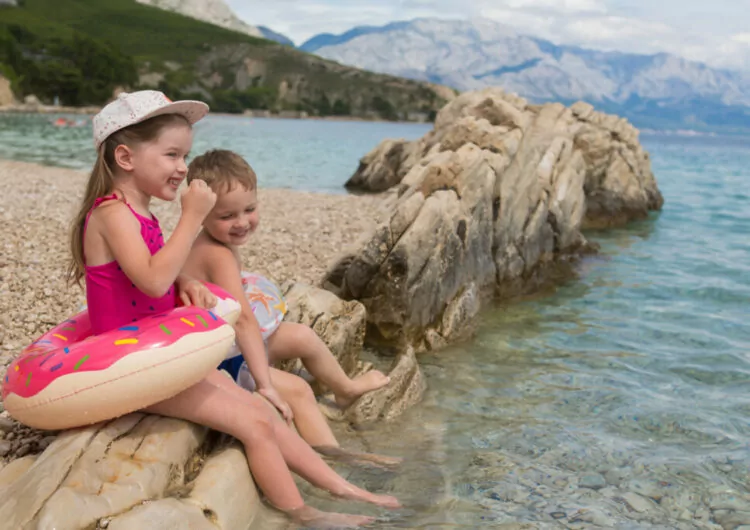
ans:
x=382 y=461
x=313 y=518
x=362 y=384
x=357 y=458
x=353 y=493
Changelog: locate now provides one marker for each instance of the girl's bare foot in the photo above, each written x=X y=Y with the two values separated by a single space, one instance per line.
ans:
x=311 y=517
x=353 y=493
x=362 y=384
x=357 y=458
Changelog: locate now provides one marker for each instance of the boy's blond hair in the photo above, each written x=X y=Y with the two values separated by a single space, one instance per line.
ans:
x=221 y=170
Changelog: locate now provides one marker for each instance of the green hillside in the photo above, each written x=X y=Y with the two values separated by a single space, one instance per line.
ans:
x=81 y=50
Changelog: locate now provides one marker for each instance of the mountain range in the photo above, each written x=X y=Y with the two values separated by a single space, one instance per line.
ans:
x=659 y=90
x=217 y=12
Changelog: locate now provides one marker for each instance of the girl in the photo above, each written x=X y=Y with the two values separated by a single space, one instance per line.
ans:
x=142 y=141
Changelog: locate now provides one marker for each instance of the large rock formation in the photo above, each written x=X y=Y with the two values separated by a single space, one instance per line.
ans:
x=487 y=201
x=135 y=472
x=619 y=184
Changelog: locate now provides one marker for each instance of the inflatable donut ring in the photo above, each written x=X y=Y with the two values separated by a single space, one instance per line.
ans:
x=267 y=303
x=71 y=378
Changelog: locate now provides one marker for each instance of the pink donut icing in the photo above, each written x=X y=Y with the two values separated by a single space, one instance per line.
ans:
x=69 y=347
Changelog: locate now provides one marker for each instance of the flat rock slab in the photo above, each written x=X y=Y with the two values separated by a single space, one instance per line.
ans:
x=122 y=473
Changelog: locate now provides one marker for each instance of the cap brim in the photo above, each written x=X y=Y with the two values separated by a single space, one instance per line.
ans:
x=192 y=111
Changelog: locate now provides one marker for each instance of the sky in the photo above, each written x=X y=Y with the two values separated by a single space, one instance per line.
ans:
x=716 y=32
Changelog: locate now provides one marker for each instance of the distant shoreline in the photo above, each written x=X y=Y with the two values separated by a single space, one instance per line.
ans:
x=286 y=115
x=294 y=115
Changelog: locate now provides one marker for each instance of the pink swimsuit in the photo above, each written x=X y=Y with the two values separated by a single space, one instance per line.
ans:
x=113 y=300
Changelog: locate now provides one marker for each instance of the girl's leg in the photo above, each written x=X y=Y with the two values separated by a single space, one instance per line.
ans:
x=312 y=425
x=212 y=403
x=217 y=402
x=293 y=341
x=304 y=461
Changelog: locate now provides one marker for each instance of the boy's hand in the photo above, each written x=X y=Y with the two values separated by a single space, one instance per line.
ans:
x=193 y=292
x=273 y=396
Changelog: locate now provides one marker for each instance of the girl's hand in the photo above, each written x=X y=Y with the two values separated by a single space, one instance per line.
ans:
x=273 y=396
x=193 y=292
x=198 y=200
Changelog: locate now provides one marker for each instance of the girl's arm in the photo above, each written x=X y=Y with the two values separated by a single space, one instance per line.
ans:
x=192 y=292
x=154 y=275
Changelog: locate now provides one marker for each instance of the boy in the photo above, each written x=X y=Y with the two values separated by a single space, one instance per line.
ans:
x=215 y=258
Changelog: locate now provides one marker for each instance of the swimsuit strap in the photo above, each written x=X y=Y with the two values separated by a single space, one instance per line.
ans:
x=97 y=202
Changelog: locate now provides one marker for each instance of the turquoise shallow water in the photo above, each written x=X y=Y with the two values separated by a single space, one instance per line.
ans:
x=618 y=400
x=302 y=154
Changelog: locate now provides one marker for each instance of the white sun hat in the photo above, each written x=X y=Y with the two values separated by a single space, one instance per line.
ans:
x=135 y=107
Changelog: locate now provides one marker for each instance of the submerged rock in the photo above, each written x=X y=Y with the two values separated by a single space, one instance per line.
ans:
x=491 y=201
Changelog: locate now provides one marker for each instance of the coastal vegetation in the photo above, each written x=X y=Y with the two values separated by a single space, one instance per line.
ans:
x=78 y=52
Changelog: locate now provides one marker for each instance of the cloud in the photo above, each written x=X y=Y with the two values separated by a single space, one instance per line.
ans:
x=712 y=35
x=605 y=30
x=561 y=6
x=741 y=38
x=523 y=22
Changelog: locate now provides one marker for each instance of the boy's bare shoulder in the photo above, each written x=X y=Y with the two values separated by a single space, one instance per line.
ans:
x=210 y=254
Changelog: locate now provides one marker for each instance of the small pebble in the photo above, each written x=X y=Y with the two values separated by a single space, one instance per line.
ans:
x=23 y=450
x=636 y=502
x=593 y=481
x=45 y=442
x=4 y=447
x=6 y=424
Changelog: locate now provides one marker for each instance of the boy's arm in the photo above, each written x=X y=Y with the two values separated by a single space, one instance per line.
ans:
x=224 y=271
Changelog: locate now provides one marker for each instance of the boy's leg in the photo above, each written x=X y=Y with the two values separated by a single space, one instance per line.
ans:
x=309 y=420
x=313 y=426
x=293 y=341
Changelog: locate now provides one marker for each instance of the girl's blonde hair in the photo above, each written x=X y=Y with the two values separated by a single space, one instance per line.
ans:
x=102 y=179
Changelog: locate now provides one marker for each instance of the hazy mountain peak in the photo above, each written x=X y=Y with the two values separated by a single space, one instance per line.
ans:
x=216 y=12
x=477 y=53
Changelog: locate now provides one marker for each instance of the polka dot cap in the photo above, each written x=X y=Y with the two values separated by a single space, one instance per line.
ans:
x=135 y=107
